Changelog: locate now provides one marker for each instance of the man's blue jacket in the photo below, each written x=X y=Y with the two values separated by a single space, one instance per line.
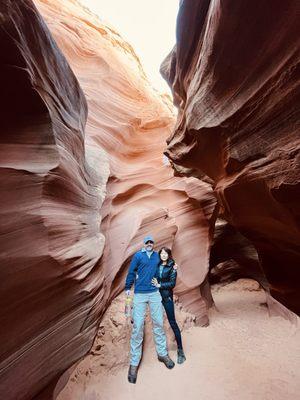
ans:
x=141 y=271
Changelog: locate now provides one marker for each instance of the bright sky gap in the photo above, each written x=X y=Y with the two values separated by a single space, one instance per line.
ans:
x=148 y=25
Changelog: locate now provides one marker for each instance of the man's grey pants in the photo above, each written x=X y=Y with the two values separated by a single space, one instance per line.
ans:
x=140 y=302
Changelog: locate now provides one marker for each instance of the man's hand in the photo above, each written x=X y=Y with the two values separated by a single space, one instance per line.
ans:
x=127 y=292
x=155 y=283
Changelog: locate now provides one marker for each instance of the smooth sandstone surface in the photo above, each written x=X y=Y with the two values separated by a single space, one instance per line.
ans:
x=51 y=194
x=131 y=122
x=78 y=111
x=82 y=138
x=235 y=79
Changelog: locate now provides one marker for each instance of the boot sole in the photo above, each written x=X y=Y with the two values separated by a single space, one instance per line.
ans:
x=169 y=367
x=131 y=379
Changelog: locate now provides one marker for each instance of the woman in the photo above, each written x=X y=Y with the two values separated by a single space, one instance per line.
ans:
x=165 y=280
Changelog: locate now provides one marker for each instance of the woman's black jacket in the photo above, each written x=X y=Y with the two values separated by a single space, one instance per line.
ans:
x=167 y=280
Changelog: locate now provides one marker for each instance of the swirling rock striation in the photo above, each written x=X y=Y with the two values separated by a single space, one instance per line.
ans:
x=131 y=122
x=55 y=161
x=235 y=79
x=50 y=201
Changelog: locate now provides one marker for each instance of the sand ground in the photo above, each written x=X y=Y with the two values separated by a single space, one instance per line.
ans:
x=243 y=354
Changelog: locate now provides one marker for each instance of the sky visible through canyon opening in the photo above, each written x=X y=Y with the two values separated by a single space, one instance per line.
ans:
x=148 y=25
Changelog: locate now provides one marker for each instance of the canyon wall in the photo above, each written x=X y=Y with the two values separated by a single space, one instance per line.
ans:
x=50 y=199
x=235 y=78
x=131 y=121
x=82 y=141
x=68 y=137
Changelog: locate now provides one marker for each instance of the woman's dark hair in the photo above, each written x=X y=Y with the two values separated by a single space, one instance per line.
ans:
x=167 y=250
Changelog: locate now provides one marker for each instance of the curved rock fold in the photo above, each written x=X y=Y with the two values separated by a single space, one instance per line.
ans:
x=235 y=79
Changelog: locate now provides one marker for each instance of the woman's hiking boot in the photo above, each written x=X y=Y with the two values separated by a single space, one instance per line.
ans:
x=180 y=356
x=132 y=373
x=167 y=361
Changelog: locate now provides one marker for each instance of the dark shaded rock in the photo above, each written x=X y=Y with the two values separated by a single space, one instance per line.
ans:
x=233 y=256
x=235 y=77
x=49 y=206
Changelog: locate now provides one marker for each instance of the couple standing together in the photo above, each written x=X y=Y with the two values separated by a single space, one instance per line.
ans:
x=154 y=277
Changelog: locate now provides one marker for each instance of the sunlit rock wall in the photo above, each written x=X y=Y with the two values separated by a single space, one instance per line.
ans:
x=58 y=147
x=131 y=122
x=234 y=73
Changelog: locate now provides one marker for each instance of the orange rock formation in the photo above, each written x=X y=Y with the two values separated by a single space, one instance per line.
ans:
x=78 y=109
x=235 y=79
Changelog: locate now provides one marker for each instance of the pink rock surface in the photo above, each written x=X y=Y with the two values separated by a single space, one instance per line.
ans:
x=49 y=205
x=131 y=122
x=235 y=78
x=55 y=161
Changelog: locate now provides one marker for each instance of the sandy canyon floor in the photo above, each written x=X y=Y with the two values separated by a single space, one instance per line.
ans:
x=243 y=354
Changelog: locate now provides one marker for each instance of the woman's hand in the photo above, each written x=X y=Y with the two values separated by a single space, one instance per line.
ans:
x=155 y=283
x=175 y=266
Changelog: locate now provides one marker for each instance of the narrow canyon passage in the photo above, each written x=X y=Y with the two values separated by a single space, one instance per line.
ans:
x=93 y=158
x=243 y=354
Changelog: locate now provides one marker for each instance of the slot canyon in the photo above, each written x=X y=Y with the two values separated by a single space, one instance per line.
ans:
x=93 y=158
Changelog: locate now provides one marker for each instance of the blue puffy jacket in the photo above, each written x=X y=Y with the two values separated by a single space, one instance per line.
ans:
x=141 y=271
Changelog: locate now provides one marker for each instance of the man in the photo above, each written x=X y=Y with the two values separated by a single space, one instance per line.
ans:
x=141 y=271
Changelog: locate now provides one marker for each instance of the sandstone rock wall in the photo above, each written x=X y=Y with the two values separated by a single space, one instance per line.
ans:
x=50 y=202
x=131 y=122
x=76 y=110
x=235 y=78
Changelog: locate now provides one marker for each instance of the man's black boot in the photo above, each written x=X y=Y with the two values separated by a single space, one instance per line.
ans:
x=132 y=374
x=167 y=361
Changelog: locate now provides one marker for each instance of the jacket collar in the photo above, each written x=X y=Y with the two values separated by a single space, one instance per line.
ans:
x=169 y=264
x=143 y=250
